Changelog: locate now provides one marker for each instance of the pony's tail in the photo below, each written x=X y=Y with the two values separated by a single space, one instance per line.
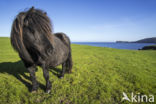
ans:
x=17 y=38
x=69 y=62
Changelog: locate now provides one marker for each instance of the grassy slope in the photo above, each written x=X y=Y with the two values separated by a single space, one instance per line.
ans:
x=100 y=75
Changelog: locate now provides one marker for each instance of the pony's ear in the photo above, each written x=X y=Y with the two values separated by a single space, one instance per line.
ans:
x=31 y=9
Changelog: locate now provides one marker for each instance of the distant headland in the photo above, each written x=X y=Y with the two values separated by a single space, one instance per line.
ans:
x=145 y=40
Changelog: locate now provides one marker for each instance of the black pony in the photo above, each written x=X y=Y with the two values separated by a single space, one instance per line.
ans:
x=33 y=39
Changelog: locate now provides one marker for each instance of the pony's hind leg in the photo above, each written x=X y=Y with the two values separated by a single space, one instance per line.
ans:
x=69 y=64
x=63 y=70
x=32 y=70
x=46 y=76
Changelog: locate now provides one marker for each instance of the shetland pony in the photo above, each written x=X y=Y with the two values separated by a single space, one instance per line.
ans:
x=32 y=37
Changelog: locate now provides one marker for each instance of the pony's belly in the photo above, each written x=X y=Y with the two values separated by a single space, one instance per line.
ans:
x=57 y=59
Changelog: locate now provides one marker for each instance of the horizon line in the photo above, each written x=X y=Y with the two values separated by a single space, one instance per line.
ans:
x=95 y=40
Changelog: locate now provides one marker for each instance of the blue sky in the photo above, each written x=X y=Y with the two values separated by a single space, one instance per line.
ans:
x=89 y=20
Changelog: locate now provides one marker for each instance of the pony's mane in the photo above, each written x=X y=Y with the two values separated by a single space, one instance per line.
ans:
x=35 y=20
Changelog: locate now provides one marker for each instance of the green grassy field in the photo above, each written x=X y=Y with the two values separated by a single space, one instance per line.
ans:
x=99 y=76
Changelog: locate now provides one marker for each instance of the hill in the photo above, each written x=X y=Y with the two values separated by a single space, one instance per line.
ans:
x=100 y=76
x=146 y=40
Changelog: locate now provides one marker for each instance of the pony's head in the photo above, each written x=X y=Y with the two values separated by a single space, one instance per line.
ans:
x=35 y=20
x=38 y=20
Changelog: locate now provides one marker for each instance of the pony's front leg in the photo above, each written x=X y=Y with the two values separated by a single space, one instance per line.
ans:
x=46 y=76
x=35 y=85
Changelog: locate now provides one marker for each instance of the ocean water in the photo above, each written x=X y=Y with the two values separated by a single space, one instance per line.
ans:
x=130 y=46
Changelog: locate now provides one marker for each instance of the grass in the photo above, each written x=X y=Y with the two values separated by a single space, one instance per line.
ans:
x=99 y=76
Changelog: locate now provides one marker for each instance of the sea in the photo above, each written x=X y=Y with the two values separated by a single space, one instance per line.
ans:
x=129 y=46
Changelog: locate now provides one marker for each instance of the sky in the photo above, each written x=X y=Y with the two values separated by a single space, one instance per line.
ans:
x=89 y=20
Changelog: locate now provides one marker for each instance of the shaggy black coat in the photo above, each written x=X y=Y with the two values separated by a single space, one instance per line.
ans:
x=32 y=37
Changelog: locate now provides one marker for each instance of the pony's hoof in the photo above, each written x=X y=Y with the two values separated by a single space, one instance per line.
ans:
x=60 y=77
x=69 y=72
x=48 y=91
x=33 y=91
